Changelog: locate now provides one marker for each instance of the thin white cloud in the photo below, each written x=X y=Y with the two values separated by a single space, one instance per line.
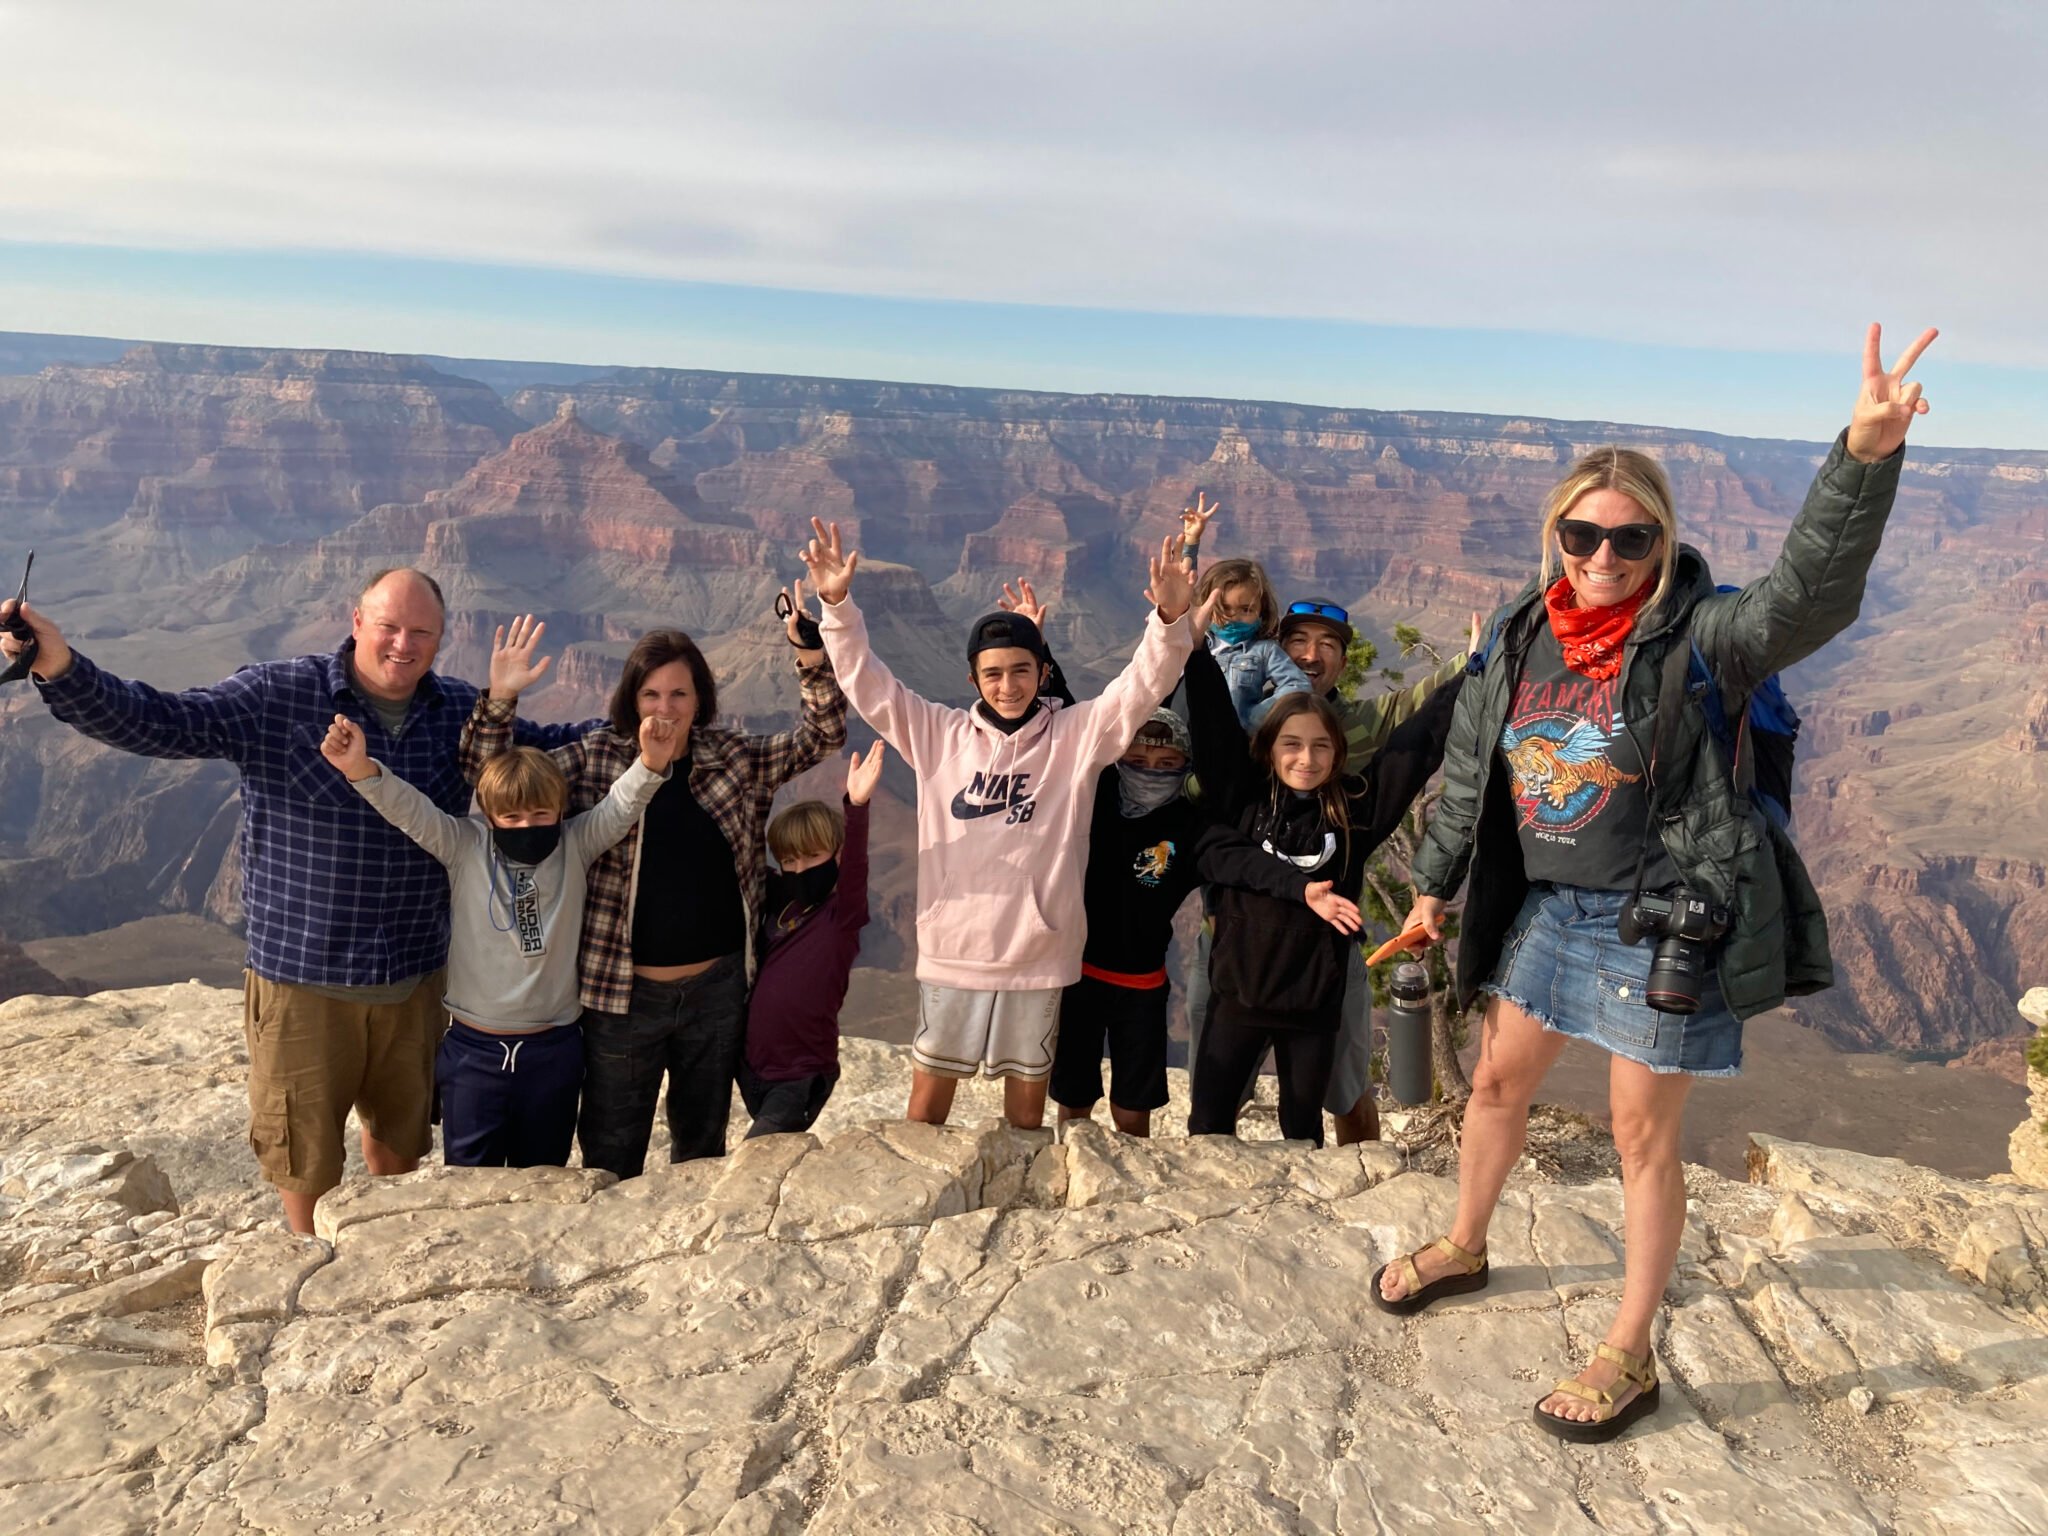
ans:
x=1745 y=174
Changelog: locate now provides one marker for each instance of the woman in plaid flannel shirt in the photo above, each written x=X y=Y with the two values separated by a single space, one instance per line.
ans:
x=664 y=979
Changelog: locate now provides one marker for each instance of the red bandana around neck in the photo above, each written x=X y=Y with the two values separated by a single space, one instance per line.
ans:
x=1592 y=638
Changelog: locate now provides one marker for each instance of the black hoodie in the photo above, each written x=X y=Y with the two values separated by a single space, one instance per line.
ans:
x=1277 y=965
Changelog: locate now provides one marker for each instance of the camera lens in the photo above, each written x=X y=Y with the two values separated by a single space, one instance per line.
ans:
x=1677 y=970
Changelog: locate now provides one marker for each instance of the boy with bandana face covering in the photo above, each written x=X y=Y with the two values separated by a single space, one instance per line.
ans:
x=510 y=1068
x=1149 y=847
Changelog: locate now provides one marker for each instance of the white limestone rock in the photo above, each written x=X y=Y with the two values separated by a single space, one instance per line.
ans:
x=882 y=1327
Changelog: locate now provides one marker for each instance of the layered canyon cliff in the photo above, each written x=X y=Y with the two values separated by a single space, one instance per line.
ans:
x=198 y=508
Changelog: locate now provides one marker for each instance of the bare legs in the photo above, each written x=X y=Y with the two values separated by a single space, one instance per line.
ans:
x=1361 y=1122
x=1515 y=1054
x=377 y=1157
x=1132 y=1122
x=931 y=1096
x=1647 y=1108
x=1024 y=1102
x=931 y=1099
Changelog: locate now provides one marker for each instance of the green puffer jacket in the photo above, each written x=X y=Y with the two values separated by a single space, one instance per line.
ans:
x=1722 y=845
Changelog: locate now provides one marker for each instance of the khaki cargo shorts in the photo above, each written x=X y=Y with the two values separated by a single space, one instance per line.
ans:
x=313 y=1058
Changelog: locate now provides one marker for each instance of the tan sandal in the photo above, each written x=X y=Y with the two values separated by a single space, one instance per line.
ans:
x=1638 y=1373
x=1419 y=1295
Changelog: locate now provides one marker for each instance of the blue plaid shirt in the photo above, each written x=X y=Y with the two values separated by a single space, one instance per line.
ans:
x=335 y=896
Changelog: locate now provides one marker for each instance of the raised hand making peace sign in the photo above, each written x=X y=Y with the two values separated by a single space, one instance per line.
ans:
x=1888 y=404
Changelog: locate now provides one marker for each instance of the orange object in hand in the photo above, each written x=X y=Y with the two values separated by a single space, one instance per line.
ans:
x=1407 y=938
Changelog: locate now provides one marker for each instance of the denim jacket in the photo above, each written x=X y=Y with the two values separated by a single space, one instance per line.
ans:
x=1248 y=668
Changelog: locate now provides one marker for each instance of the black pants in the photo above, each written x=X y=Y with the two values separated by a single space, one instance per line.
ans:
x=779 y=1107
x=508 y=1101
x=1232 y=1043
x=693 y=1030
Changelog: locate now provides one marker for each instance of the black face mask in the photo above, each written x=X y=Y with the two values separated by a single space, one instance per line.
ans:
x=526 y=845
x=803 y=890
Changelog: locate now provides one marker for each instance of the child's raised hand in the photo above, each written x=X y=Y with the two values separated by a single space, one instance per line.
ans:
x=513 y=669
x=1205 y=614
x=1340 y=913
x=831 y=565
x=1172 y=587
x=1194 y=521
x=863 y=774
x=1023 y=602
x=659 y=740
x=345 y=747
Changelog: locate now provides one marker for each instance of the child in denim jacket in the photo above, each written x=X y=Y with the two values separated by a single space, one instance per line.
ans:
x=1243 y=637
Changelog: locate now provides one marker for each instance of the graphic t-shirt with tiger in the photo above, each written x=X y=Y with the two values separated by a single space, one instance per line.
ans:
x=1581 y=796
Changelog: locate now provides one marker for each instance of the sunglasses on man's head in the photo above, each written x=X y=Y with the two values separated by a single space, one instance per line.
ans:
x=1631 y=541
x=1316 y=610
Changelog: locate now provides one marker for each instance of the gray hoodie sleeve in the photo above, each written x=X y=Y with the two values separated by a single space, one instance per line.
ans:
x=442 y=835
x=588 y=835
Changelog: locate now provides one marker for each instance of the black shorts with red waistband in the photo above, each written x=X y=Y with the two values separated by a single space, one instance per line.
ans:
x=1126 y=1013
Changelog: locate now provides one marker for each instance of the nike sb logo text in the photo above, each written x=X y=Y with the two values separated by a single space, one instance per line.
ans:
x=995 y=794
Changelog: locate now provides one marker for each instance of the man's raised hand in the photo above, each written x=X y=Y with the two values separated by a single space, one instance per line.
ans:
x=53 y=656
x=831 y=564
x=1023 y=602
x=513 y=669
x=658 y=741
x=1194 y=521
x=1172 y=587
x=1339 y=912
x=345 y=747
x=864 y=773
x=1887 y=404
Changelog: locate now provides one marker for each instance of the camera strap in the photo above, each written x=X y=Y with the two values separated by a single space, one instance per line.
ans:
x=1672 y=682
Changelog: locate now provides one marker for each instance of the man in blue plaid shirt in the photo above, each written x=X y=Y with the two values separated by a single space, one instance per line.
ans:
x=347 y=916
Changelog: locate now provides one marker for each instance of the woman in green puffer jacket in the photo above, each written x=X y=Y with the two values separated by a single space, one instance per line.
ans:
x=1565 y=799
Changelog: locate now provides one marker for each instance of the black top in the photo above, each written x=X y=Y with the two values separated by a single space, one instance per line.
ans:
x=1277 y=965
x=687 y=905
x=1141 y=868
x=1581 y=795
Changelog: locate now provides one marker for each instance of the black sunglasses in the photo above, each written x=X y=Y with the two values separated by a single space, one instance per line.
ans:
x=1316 y=610
x=1632 y=541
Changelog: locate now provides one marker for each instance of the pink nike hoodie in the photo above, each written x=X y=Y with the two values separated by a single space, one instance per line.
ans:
x=1002 y=821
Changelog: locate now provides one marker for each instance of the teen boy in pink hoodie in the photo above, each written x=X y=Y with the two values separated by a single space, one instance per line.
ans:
x=1005 y=791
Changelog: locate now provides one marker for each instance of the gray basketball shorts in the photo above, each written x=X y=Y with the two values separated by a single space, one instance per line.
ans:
x=1003 y=1034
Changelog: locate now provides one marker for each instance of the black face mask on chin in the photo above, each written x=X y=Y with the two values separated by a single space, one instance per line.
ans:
x=805 y=889
x=526 y=845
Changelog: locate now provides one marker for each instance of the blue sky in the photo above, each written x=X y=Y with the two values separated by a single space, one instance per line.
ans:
x=1680 y=214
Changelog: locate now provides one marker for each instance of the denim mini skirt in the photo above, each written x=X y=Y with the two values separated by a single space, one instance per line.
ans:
x=1564 y=965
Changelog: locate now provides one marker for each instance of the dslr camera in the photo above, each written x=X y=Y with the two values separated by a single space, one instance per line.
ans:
x=1685 y=925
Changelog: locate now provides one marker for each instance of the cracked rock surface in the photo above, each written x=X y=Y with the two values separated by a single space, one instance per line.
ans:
x=888 y=1327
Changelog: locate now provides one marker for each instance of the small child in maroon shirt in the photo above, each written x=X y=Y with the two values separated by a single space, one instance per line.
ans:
x=817 y=905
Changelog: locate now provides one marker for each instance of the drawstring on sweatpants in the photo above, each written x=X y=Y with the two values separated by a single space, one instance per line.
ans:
x=511 y=1050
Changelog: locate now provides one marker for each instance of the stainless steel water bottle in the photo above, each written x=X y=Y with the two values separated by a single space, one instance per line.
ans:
x=1410 y=1068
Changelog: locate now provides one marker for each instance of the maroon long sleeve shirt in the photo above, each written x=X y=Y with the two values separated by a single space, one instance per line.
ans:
x=793 y=1015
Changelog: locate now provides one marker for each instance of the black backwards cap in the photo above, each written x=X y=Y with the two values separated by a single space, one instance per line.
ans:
x=1002 y=631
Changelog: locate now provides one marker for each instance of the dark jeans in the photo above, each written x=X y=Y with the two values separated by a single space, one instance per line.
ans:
x=1231 y=1047
x=691 y=1029
x=792 y=1104
x=508 y=1101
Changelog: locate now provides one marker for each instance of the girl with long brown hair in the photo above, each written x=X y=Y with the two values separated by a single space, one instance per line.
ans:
x=1276 y=971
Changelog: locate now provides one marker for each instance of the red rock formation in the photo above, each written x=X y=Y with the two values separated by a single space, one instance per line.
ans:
x=679 y=498
x=201 y=452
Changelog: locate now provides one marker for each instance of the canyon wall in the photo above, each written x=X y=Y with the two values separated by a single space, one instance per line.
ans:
x=198 y=508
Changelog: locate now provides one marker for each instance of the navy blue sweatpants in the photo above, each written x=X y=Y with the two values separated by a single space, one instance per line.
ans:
x=508 y=1100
